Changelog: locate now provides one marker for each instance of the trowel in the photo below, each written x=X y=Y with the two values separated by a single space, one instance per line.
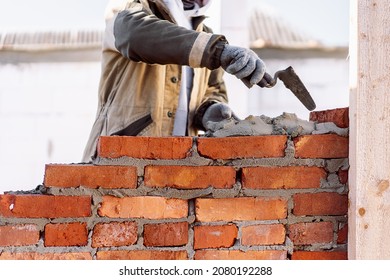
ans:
x=292 y=82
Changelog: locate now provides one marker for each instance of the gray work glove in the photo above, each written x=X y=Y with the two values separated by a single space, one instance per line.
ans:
x=216 y=113
x=243 y=63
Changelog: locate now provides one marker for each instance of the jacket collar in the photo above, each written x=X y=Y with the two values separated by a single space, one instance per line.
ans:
x=197 y=20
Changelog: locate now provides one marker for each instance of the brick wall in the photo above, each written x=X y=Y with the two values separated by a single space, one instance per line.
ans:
x=258 y=197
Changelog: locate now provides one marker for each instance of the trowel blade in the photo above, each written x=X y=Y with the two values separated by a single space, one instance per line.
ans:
x=294 y=83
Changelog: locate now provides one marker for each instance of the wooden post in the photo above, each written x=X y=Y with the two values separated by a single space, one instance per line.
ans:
x=369 y=214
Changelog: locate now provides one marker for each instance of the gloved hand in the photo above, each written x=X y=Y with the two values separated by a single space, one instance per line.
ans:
x=216 y=113
x=243 y=63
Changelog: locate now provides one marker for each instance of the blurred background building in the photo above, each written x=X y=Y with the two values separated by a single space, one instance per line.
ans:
x=50 y=68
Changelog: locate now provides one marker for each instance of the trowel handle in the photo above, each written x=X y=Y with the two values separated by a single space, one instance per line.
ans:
x=267 y=81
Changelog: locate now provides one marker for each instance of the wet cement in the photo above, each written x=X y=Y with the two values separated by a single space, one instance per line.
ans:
x=285 y=124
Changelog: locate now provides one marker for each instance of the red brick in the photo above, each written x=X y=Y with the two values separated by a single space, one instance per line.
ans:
x=306 y=255
x=263 y=235
x=311 y=233
x=324 y=203
x=70 y=234
x=343 y=176
x=243 y=147
x=145 y=147
x=240 y=255
x=166 y=234
x=19 y=235
x=190 y=177
x=222 y=236
x=45 y=256
x=44 y=206
x=142 y=255
x=240 y=209
x=338 y=116
x=147 y=207
x=321 y=146
x=342 y=235
x=89 y=176
x=294 y=177
x=114 y=234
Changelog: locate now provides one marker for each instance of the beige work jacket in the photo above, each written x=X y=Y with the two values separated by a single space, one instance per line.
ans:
x=140 y=81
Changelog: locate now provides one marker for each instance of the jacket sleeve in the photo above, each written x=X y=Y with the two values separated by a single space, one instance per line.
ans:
x=140 y=35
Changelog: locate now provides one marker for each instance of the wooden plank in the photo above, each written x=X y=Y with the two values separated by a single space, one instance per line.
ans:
x=369 y=214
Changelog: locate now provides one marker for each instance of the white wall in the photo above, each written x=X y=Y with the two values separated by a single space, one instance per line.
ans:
x=46 y=113
x=235 y=26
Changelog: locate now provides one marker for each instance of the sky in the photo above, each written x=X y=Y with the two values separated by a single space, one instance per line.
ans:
x=51 y=14
x=326 y=20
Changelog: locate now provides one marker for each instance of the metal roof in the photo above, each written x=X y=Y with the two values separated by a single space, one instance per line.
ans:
x=50 y=40
x=269 y=30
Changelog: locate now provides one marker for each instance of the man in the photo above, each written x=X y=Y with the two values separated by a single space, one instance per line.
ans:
x=162 y=71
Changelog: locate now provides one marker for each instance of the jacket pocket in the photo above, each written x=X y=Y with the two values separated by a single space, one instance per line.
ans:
x=136 y=127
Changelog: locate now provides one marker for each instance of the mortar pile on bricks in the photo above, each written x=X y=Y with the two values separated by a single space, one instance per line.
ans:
x=262 y=197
